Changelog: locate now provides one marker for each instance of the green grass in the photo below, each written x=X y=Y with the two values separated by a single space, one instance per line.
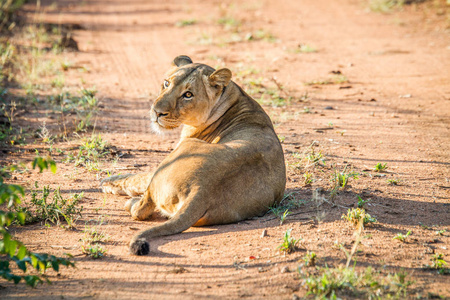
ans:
x=438 y=263
x=310 y=259
x=187 y=22
x=393 y=181
x=362 y=202
x=289 y=243
x=289 y=202
x=356 y=215
x=337 y=79
x=94 y=251
x=89 y=153
x=339 y=282
x=385 y=6
x=51 y=207
x=12 y=249
x=402 y=237
x=380 y=167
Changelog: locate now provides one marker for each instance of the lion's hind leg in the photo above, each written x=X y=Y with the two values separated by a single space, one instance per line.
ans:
x=127 y=184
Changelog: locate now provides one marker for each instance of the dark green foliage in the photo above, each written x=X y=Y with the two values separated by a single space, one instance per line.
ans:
x=12 y=250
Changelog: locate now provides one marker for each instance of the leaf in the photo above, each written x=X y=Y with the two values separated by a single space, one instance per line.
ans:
x=34 y=261
x=22 y=265
x=52 y=166
x=21 y=217
x=22 y=252
x=12 y=248
x=55 y=266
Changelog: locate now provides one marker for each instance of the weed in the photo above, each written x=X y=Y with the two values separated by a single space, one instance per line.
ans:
x=314 y=157
x=310 y=259
x=393 y=181
x=361 y=202
x=308 y=178
x=304 y=48
x=380 y=167
x=289 y=243
x=441 y=232
x=187 y=22
x=402 y=237
x=89 y=153
x=230 y=23
x=355 y=215
x=337 y=79
x=12 y=249
x=52 y=211
x=341 y=179
x=93 y=251
x=92 y=234
x=367 y=284
x=289 y=202
x=260 y=35
x=385 y=6
x=438 y=263
x=283 y=216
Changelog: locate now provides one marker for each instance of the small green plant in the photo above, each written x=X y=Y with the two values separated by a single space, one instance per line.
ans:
x=314 y=157
x=283 y=216
x=310 y=259
x=13 y=250
x=356 y=215
x=402 y=237
x=330 y=283
x=393 y=181
x=441 y=232
x=361 y=201
x=380 y=167
x=89 y=153
x=289 y=243
x=187 y=22
x=438 y=263
x=281 y=210
x=308 y=178
x=93 y=235
x=52 y=211
x=303 y=48
x=385 y=6
x=93 y=251
x=341 y=178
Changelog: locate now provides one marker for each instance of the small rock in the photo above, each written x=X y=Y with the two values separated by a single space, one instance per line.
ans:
x=264 y=233
x=405 y=96
x=295 y=297
x=285 y=269
x=329 y=108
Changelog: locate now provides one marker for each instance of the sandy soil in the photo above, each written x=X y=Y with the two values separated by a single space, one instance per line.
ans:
x=394 y=109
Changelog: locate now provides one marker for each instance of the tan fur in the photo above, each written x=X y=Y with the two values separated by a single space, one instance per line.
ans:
x=228 y=165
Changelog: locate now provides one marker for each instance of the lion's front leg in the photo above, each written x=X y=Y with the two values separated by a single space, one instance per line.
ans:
x=127 y=184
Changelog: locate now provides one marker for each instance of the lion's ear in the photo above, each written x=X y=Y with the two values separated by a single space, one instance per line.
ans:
x=182 y=60
x=220 y=77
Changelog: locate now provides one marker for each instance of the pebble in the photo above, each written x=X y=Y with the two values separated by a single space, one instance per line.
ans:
x=285 y=269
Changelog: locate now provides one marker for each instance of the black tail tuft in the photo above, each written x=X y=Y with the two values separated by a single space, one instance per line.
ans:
x=140 y=247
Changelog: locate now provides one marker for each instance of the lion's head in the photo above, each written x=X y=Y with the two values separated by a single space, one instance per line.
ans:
x=188 y=94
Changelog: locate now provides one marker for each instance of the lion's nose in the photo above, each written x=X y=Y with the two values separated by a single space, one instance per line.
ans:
x=160 y=114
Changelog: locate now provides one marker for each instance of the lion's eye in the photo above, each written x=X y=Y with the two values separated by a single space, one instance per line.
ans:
x=188 y=95
x=166 y=84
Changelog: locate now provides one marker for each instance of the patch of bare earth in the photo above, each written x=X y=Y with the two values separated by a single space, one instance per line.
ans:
x=388 y=102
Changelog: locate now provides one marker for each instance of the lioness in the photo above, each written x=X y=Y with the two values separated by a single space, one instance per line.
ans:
x=228 y=165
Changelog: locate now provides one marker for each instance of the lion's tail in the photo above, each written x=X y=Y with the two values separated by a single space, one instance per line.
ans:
x=187 y=216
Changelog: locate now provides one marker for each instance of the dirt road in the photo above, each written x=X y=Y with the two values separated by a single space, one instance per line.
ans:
x=366 y=88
